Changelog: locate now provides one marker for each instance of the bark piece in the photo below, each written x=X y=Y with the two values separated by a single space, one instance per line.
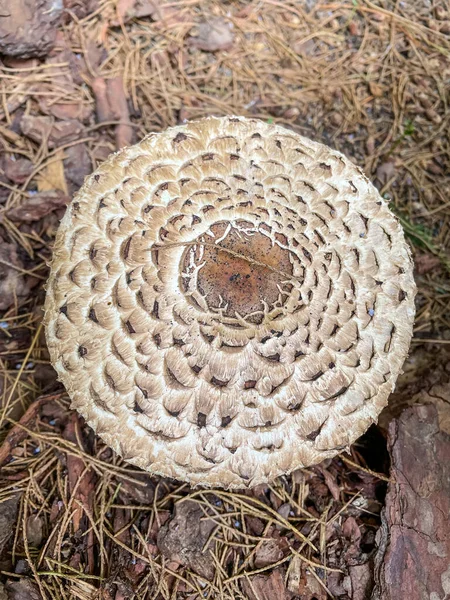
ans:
x=413 y=554
x=425 y=262
x=39 y=205
x=56 y=133
x=111 y=105
x=183 y=539
x=77 y=164
x=130 y=9
x=8 y=514
x=13 y=283
x=80 y=8
x=28 y=27
x=263 y=587
x=268 y=553
x=17 y=169
x=35 y=530
x=23 y=589
x=361 y=581
x=213 y=35
x=81 y=487
x=19 y=432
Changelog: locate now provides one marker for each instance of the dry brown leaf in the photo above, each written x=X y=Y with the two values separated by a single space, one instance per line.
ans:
x=52 y=176
x=310 y=588
x=119 y=108
x=304 y=47
x=111 y=105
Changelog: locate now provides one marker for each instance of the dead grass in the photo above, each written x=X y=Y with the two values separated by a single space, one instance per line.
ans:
x=371 y=80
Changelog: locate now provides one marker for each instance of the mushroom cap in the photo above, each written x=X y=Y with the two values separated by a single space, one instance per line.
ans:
x=229 y=301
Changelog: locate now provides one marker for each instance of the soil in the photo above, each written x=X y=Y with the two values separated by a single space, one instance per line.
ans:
x=370 y=79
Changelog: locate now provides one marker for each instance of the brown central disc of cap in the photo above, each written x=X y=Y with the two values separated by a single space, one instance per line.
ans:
x=242 y=269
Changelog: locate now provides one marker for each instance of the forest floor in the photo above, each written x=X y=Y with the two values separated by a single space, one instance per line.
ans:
x=371 y=79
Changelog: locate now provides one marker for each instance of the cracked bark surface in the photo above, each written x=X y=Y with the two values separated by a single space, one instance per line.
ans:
x=413 y=558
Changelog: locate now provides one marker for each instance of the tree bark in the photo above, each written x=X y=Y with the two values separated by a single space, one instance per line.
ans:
x=413 y=556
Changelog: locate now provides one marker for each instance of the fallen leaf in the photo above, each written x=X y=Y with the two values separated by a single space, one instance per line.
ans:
x=8 y=515
x=183 y=539
x=351 y=531
x=38 y=205
x=51 y=177
x=353 y=28
x=35 y=530
x=263 y=587
x=56 y=133
x=213 y=35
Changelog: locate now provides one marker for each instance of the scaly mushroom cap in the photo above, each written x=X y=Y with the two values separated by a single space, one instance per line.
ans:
x=229 y=301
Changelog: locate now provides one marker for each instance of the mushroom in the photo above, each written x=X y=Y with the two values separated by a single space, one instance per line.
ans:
x=229 y=301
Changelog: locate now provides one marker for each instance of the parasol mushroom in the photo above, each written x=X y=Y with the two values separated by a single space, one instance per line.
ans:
x=229 y=301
